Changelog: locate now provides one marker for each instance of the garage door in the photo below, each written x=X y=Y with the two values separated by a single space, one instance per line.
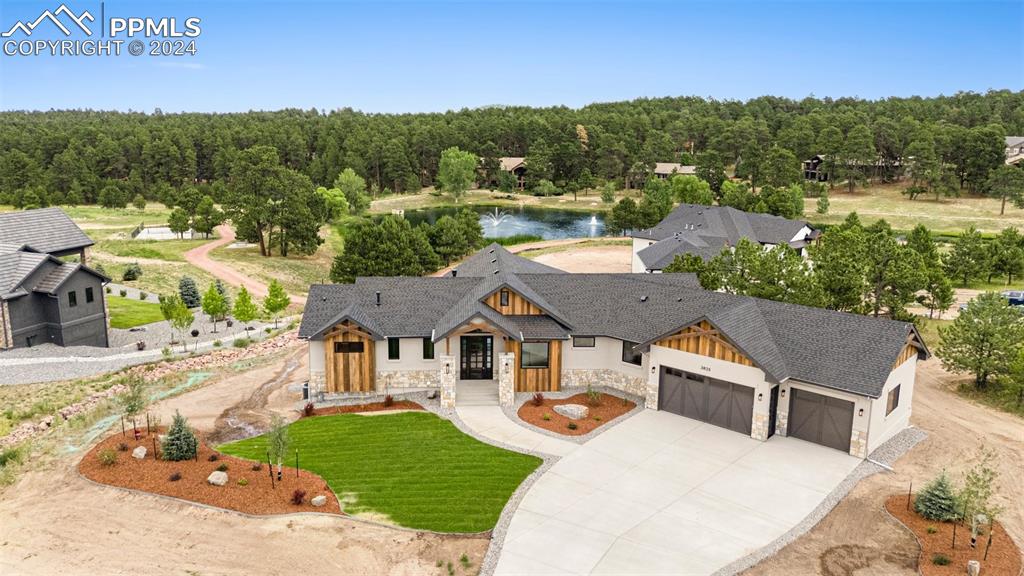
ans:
x=820 y=419
x=709 y=400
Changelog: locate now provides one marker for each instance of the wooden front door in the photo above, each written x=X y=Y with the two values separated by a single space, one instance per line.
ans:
x=477 y=354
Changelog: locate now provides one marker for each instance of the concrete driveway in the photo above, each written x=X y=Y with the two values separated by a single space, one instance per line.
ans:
x=663 y=494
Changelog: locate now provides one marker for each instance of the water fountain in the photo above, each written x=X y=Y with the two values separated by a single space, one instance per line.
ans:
x=593 y=221
x=494 y=220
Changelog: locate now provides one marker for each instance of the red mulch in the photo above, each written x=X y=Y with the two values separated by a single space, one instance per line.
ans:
x=257 y=497
x=1003 y=557
x=371 y=407
x=608 y=408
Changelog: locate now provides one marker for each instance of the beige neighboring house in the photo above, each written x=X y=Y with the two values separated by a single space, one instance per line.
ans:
x=665 y=170
x=499 y=325
x=1014 y=149
x=516 y=166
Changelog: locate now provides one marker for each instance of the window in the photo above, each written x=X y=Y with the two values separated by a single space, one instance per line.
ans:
x=393 y=348
x=348 y=347
x=88 y=295
x=582 y=341
x=893 y=401
x=630 y=356
x=72 y=299
x=535 y=355
x=504 y=297
x=428 y=349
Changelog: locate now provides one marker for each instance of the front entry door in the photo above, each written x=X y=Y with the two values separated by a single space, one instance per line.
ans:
x=477 y=352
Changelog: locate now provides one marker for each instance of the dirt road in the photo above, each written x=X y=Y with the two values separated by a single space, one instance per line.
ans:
x=200 y=257
x=55 y=522
x=859 y=538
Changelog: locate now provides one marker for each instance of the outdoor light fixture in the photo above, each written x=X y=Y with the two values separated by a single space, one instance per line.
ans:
x=760 y=396
x=860 y=412
x=447 y=368
x=783 y=393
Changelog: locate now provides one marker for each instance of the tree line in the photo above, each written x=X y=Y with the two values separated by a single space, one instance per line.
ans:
x=87 y=157
x=862 y=269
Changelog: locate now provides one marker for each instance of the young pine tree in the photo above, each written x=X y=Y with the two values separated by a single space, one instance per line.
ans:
x=937 y=500
x=181 y=442
x=276 y=301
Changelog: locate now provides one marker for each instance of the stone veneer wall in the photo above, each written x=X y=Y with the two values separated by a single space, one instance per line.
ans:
x=579 y=378
x=408 y=379
x=506 y=379
x=859 y=443
x=759 y=426
x=317 y=383
x=449 y=376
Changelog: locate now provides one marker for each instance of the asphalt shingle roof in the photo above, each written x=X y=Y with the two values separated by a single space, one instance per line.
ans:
x=824 y=347
x=704 y=230
x=47 y=230
x=496 y=257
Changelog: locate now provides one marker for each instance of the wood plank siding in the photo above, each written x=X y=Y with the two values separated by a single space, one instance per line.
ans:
x=909 y=350
x=349 y=371
x=706 y=340
x=538 y=379
x=517 y=305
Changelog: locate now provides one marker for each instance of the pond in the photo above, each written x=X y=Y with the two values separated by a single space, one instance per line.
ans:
x=548 y=223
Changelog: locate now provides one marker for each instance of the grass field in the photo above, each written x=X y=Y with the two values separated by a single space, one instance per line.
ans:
x=534 y=252
x=413 y=469
x=430 y=199
x=296 y=272
x=947 y=216
x=128 y=313
x=167 y=250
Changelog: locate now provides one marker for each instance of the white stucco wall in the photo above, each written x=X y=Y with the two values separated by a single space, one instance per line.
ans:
x=316 y=356
x=637 y=267
x=410 y=355
x=605 y=355
x=883 y=427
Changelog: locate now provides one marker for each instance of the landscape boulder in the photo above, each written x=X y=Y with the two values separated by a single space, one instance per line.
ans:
x=217 y=478
x=319 y=501
x=973 y=568
x=574 y=411
x=139 y=453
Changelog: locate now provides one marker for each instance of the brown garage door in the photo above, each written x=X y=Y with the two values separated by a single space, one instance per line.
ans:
x=709 y=400
x=820 y=419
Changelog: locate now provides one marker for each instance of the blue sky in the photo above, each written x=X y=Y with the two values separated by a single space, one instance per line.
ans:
x=411 y=57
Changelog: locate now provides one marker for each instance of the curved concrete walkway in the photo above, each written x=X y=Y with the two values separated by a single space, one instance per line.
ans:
x=491 y=422
x=659 y=494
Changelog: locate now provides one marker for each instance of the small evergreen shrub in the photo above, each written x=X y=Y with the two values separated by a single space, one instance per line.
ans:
x=545 y=417
x=242 y=342
x=298 y=496
x=937 y=500
x=593 y=396
x=222 y=468
x=932 y=529
x=181 y=442
x=166 y=353
x=175 y=477
x=212 y=458
x=107 y=457
x=256 y=467
x=940 y=560
x=123 y=293
x=131 y=272
x=538 y=399
x=122 y=447
x=217 y=344
x=109 y=290
x=243 y=482
x=572 y=426
x=143 y=295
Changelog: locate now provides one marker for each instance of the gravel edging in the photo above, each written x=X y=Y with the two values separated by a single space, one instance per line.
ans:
x=886 y=454
x=490 y=561
x=512 y=412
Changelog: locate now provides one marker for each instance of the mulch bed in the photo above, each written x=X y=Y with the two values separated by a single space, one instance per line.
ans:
x=256 y=497
x=1003 y=557
x=609 y=408
x=371 y=407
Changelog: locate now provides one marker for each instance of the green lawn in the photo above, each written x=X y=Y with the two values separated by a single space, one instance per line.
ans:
x=413 y=469
x=128 y=313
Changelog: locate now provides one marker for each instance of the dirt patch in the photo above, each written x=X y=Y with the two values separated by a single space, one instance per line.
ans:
x=370 y=407
x=859 y=538
x=936 y=538
x=544 y=416
x=589 y=259
x=254 y=495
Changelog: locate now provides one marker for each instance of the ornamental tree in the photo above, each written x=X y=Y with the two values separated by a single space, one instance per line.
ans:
x=984 y=339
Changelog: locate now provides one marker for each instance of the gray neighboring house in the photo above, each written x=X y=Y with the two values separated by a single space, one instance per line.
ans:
x=706 y=230
x=502 y=325
x=44 y=299
x=1014 y=149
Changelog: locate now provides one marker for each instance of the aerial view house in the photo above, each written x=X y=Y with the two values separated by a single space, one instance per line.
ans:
x=509 y=325
x=813 y=169
x=664 y=170
x=42 y=297
x=706 y=230
x=1014 y=149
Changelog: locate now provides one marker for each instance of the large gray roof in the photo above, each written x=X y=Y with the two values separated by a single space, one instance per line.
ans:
x=704 y=230
x=47 y=230
x=17 y=266
x=495 y=258
x=834 y=349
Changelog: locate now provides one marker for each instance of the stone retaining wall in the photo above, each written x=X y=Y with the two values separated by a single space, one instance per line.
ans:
x=580 y=378
x=408 y=379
